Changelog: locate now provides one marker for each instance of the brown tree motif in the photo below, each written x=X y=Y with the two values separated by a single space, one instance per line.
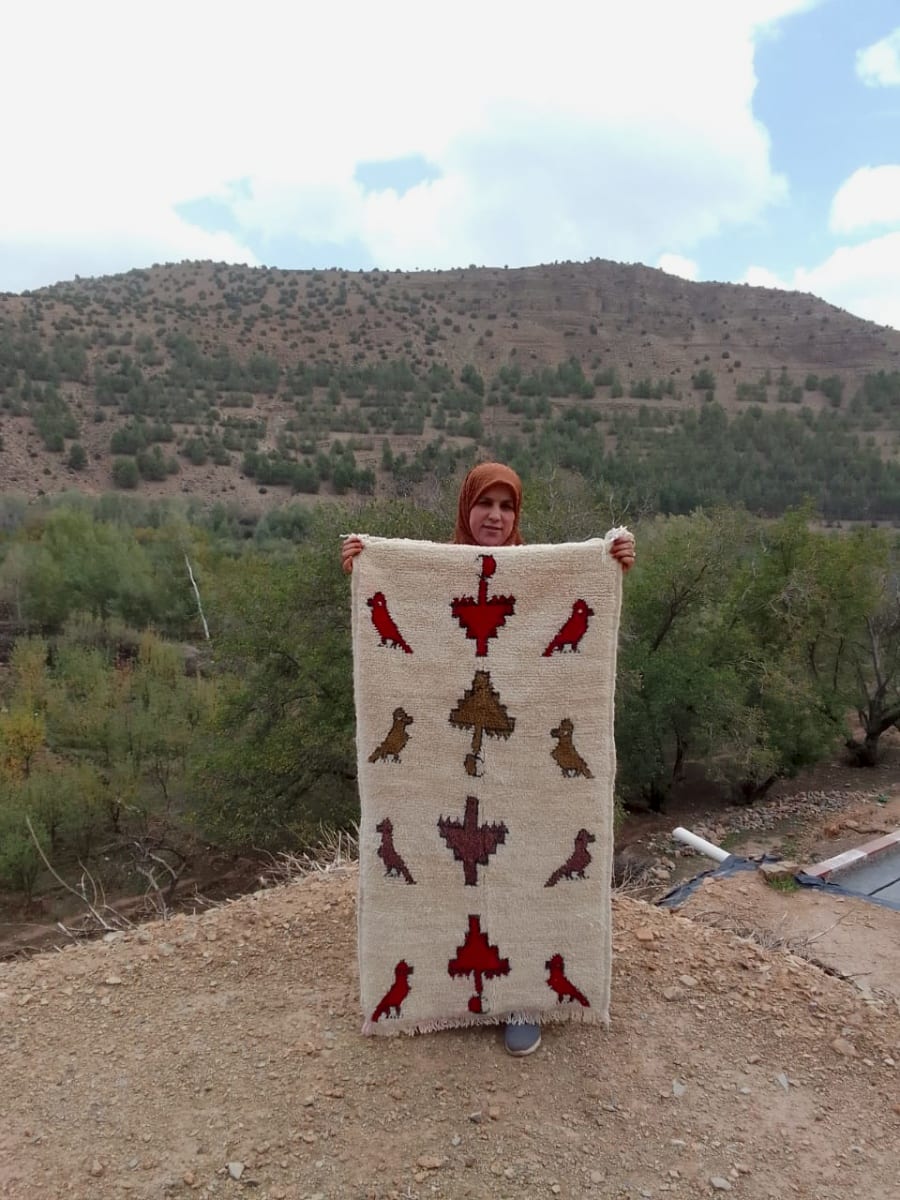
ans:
x=482 y=711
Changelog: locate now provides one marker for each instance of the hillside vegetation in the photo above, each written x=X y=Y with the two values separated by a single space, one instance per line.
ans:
x=220 y=426
x=128 y=741
x=242 y=386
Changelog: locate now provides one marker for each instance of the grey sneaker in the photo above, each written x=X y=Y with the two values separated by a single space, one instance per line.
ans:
x=522 y=1039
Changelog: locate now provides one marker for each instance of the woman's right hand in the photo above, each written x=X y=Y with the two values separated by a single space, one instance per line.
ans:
x=350 y=547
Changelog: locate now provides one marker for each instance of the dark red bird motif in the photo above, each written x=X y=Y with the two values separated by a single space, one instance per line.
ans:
x=384 y=624
x=387 y=852
x=565 y=991
x=392 y=1000
x=573 y=630
x=482 y=618
x=577 y=863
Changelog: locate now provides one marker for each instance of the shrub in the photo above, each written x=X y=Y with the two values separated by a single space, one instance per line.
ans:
x=125 y=473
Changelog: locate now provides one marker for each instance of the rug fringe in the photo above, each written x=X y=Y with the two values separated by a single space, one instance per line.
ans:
x=393 y=1027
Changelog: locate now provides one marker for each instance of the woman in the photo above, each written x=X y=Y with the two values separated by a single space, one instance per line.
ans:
x=488 y=510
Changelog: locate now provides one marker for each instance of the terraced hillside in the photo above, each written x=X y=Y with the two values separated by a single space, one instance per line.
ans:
x=228 y=383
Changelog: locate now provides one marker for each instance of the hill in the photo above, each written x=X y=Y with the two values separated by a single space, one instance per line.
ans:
x=238 y=385
x=221 y=1052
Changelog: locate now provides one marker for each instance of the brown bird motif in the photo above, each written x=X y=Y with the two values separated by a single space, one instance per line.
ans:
x=565 y=755
x=395 y=740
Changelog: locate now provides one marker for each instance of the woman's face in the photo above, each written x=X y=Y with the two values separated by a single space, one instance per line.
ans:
x=493 y=515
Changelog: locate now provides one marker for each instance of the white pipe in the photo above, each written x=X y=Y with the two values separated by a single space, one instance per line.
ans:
x=700 y=844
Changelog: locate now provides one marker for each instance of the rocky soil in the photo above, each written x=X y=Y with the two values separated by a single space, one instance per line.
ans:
x=219 y=1055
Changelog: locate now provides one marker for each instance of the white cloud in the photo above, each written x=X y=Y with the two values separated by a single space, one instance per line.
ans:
x=870 y=197
x=591 y=133
x=675 y=264
x=861 y=278
x=879 y=65
x=763 y=277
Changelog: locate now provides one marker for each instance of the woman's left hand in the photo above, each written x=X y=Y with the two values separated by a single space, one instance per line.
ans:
x=622 y=550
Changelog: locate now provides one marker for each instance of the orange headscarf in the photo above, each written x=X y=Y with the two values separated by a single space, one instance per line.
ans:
x=476 y=483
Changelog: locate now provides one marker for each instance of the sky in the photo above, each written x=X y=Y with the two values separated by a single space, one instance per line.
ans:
x=744 y=140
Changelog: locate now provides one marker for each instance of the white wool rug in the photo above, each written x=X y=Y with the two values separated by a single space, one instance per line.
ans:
x=484 y=684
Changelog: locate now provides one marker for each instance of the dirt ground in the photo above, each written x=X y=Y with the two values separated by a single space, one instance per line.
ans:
x=754 y=1048
x=219 y=1055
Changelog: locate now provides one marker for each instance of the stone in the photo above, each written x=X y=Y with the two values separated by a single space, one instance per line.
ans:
x=720 y=1184
x=644 y=934
x=430 y=1162
x=235 y=1169
x=842 y=1046
x=776 y=871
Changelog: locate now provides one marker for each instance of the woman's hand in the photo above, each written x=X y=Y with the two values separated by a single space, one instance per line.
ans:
x=622 y=550
x=350 y=547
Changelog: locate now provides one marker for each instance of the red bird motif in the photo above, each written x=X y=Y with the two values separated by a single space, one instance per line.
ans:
x=573 y=630
x=565 y=991
x=384 y=624
x=393 y=998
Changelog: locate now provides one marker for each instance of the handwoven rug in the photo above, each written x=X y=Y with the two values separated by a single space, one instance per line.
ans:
x=484 y=685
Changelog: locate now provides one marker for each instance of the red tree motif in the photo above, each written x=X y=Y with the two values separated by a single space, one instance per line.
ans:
x=482 y=618
x=478 y=958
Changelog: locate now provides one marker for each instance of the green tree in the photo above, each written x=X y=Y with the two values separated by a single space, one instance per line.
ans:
x=125 y=473
x=282 y=760
x=823 y=606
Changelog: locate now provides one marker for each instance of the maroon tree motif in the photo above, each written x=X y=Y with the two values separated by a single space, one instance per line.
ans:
x=472 y=844
x=478 y=958
x=482 y=618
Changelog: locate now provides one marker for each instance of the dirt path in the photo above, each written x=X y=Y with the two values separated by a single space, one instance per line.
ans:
x=144 y=1066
